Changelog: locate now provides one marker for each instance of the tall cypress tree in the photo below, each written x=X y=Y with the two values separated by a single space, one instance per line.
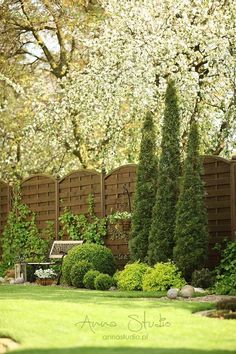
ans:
x=191 y=234
x=161 y=238
x=145 y=192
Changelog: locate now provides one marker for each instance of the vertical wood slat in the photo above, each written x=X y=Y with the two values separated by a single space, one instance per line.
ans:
x=9 y=190
x=103 y=174
x=57 y=208
x=233 y=198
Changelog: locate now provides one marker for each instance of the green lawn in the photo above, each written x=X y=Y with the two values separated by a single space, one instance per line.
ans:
x=67 y=321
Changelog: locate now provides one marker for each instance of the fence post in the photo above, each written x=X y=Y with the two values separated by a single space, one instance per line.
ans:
x=233 y=197
x=9 y=200
x=57 y=205
x=103 y=174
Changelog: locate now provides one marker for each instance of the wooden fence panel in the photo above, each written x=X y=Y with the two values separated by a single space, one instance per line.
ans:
x=75 y=188
x=119 y=188
x=114 y=192
x=38 y=192
x=218 y=188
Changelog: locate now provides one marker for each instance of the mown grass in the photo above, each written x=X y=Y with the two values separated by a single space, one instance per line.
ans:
x=57 y=320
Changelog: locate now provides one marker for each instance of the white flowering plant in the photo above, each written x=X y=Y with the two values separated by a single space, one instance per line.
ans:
x=45 y=273
x=119 y=215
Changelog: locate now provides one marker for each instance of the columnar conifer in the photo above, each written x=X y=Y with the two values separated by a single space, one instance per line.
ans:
x=145 y=191
x=191 y=234
x=161 y=239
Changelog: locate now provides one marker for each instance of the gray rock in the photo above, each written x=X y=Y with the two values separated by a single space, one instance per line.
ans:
x=172 y=293
x=112 y=288
x=187 y=291
x=2 y=280
x=12 y=281
x=199 y=290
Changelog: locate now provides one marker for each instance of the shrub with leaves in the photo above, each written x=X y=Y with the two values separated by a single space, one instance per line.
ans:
x=100 y=256
x=103 y=282
x=89 y=279
x=78 y=272
x=131 y=278
x=226 y=271
x=162 y=277
x=202 y=278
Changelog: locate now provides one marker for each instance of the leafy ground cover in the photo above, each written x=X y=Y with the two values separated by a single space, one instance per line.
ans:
x=57 y=320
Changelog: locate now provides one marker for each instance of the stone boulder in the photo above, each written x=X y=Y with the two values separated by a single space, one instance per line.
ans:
x=172 y=293
x=112 y=288
x=187 y=291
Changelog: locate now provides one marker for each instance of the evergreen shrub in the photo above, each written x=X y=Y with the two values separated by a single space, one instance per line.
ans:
x=100 y=256
x=163 y=277
x=103 y=282
x=145 y=192
x=89 y=279
x=78 y=272
x=131 y=278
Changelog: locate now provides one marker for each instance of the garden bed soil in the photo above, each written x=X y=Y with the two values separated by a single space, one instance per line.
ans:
x=212 y=298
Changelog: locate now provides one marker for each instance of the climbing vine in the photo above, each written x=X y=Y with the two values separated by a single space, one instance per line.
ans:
x=21 y=238
x=87 y=227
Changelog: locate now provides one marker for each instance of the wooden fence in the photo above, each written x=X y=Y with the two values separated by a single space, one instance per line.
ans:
x=48 y=197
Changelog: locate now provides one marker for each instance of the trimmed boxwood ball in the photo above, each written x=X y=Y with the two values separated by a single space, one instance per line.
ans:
x=103 y=282
x=78 y=272
x=100 y=256
x=131 y=278
x=89 y=279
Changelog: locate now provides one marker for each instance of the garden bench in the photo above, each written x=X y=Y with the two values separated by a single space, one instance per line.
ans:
x=58 y=250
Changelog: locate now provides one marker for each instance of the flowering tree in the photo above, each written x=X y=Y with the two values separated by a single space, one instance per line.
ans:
x=92 y=113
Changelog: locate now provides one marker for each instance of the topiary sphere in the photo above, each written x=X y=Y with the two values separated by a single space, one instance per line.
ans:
x=103 y=282
x=89 y=279
x=78 y=272
x=100 y=256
